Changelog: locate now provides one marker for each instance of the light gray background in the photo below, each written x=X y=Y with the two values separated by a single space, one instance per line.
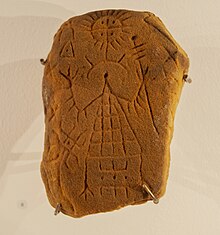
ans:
x=192 y=201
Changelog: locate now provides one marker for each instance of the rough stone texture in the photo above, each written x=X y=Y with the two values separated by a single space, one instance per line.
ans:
x=111 y=85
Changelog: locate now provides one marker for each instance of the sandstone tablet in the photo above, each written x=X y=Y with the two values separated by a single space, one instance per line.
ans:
x=111 y=85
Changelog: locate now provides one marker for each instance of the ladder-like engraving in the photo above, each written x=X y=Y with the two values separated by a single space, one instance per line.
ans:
x=111 y=150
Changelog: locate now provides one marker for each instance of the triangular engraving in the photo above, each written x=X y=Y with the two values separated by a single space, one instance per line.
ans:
x=68 y=50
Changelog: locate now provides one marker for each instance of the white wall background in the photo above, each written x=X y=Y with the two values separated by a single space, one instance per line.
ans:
x=192 y=202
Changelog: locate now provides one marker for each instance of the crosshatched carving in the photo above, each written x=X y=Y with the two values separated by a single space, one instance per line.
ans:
x=110 y=89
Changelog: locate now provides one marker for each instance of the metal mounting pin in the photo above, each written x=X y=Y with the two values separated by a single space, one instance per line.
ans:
x=146 y=188
x=187 y=79
x=58 y=209
x=43 y=62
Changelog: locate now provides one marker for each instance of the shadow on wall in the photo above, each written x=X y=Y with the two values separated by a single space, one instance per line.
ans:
x=20 y=82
